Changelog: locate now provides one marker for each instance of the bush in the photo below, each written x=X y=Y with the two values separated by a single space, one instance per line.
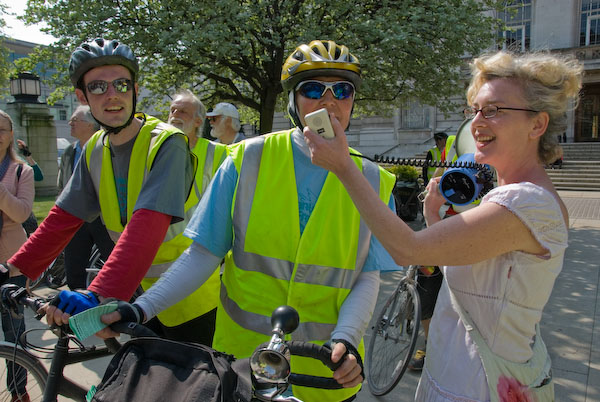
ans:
x=404 y=172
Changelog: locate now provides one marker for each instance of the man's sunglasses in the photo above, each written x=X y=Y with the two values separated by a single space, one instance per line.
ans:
x=99 y=87
x=316 y=89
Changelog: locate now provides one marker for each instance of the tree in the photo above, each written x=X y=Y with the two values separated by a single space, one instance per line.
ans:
x=233 y=50
x=5 y=66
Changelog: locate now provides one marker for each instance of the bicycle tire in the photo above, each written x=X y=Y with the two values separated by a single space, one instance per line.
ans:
x=392 y=341
x=95 y=264
x=56 y=275
x=36 y=373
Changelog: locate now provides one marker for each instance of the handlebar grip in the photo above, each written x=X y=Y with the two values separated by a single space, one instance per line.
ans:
x=321 y=353
x=312 y=381
x=318 y=352
x=133 y=329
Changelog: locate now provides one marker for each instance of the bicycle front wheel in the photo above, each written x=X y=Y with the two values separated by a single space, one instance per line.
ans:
x=22 y=374
x=393 y=339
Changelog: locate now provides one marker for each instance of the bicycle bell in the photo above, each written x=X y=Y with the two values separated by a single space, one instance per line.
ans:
x=272 y=363
x=463 y=184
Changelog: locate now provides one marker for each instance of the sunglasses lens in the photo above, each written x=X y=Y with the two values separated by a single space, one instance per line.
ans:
x=122 y=85
x=312 y=90
x=97 y=87
x=343 y=90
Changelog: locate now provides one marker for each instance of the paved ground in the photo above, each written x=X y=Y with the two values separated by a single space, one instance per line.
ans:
x=570 y=325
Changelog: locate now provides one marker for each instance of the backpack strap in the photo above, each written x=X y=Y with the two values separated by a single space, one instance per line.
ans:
x=243 y=388
x=19 y=171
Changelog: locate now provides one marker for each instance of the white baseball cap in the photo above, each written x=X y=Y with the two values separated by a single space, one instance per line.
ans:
x=224 y=109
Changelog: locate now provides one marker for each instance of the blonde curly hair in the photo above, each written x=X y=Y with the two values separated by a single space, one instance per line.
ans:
x=549 y=82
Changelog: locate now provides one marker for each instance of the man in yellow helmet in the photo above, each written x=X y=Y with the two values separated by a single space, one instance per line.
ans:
x=294 y=235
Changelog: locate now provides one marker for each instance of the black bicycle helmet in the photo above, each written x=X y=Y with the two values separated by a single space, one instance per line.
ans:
x=101 y=52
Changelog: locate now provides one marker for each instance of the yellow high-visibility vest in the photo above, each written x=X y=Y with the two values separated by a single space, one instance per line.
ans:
x=147 y=143
x=273 y=264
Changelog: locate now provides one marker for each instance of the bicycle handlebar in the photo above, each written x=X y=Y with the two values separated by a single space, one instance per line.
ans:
x=318 y=352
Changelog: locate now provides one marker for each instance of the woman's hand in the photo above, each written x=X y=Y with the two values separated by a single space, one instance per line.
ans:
x=331 y=154
x=433 y=201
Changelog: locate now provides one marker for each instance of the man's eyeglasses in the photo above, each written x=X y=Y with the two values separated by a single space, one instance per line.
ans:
x=98 y=87
x=490 y=111
x=213 y=118
x=316 y=89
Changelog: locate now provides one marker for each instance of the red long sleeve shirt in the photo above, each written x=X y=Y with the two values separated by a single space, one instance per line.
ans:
x=127 y=264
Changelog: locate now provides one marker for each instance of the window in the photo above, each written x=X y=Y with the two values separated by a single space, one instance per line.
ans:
x=62 y=115
x=589 y=33
x=414 y=115
x=517 y=18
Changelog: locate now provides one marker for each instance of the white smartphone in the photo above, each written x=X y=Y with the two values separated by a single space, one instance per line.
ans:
x=318 y=121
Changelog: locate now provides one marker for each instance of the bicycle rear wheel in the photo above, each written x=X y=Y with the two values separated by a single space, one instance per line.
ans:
x=56 y=275
x=95 y=264
x=393 y=339
x=14 y=379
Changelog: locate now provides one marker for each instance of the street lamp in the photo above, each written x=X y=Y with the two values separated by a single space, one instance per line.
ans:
x=25 y=88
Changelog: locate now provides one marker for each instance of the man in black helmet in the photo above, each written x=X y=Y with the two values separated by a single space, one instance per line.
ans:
x=137 y=173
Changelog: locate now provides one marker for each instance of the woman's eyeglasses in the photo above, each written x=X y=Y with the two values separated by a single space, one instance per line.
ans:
x=490 y=111
x=98 y=87
x=316 y=89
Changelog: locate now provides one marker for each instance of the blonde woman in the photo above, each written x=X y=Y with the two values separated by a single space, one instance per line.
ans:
x=16 y=202
x=500 y=260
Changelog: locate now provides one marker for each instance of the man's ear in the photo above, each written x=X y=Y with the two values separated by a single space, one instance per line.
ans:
x=136 y=89
x=81 y=96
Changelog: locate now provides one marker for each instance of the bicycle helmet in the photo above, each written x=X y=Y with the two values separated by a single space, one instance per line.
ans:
x=101 y=52
x=318 y=58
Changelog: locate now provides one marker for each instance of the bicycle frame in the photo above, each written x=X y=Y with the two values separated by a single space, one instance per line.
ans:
x=57 y=383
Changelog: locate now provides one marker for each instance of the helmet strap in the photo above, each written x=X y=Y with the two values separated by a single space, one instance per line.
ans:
x=110 y=129
x=293 y=110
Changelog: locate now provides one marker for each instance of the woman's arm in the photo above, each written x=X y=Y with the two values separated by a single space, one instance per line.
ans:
x=475 y=235
x=18 y=206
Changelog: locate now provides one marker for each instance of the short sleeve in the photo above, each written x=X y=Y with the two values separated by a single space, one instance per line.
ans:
x=168 y=184
x=537 y=208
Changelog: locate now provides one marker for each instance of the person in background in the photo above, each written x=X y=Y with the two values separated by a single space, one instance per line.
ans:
x=16 y=202
x=503 y=257
x=79 y=249
x=225 y=122
x=187 y=113
x=38 y=175
x=434 y=155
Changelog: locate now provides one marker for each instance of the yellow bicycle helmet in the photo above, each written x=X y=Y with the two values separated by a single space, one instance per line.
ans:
x=320 y=58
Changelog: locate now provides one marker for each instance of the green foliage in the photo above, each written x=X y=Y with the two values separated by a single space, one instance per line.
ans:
x=233 y=50
x=5 y=67
x=403 y=172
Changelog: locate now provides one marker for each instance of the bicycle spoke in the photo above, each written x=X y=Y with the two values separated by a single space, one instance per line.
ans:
x=392 y=341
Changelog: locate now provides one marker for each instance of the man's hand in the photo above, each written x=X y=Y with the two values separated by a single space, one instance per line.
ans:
x=350 y=373
x=68 y=303
x=125 y=312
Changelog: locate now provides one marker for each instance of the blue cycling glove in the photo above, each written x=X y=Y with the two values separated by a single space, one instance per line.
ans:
x=74 y=302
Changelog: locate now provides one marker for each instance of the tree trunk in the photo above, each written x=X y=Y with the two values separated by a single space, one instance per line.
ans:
x=267 y=110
